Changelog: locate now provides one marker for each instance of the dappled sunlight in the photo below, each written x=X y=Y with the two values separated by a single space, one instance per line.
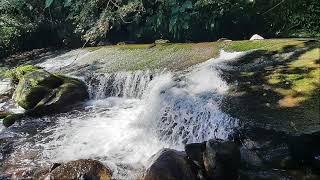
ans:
x=300 y=78
x=277 y=84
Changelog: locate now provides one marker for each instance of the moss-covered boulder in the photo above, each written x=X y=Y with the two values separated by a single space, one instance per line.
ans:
x=40 y=92
x=11 y=119
x=35 y=86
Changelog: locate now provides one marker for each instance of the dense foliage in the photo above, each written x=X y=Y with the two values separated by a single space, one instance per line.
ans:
x=26 y=24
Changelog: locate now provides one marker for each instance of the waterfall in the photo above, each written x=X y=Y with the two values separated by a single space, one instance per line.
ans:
x=120 y=84
x=132 y=115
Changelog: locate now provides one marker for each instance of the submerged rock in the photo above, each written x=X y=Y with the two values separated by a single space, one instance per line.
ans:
x=256 y=37
x=74 y=170
x=170 y=164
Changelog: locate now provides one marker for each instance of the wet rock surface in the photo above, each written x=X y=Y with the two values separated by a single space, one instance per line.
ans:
x=169 y=164
x=216 y=159
x=271 y=157
x=74 y=170
x=269 y=154
x=211 y=160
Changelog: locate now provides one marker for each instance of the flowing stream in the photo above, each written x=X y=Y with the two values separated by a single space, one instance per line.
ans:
x=129 y=117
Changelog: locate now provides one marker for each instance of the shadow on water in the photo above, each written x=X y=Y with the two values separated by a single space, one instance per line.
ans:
x=277 y=89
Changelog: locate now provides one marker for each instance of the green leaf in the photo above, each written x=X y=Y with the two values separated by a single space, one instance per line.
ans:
x=187 y=5
x=67 y=3
x=175 y=10
x=185 y=25
x=48 y=3
x=182 y=9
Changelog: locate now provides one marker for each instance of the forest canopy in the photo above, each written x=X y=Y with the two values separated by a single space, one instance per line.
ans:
x=27 y=24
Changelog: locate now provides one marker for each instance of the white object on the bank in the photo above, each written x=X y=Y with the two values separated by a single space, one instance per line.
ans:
x=256 y=37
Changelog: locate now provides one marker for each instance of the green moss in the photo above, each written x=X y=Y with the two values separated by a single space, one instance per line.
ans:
x=17 y=73
x=134 y=46
x=3 y=72
x=176 y=56
x=267 y=44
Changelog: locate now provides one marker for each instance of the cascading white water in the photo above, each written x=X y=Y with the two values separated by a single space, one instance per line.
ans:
x=132 y=115
x=120 y=84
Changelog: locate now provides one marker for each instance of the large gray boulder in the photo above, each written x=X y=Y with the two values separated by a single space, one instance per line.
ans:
x=169 y=164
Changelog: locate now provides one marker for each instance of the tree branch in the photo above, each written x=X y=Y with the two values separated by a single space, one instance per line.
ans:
x=273 y=7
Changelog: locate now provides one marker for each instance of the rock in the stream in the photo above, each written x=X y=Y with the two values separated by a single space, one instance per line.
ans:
x=76 y=170
x=70 y=92
x=169 y=164
x=42 y=92
x=221 y=160
x=217 y=159
x=35 y=86
x=10 y=119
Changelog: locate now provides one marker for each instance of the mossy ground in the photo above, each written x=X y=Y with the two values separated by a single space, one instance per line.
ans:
x=175 y=56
